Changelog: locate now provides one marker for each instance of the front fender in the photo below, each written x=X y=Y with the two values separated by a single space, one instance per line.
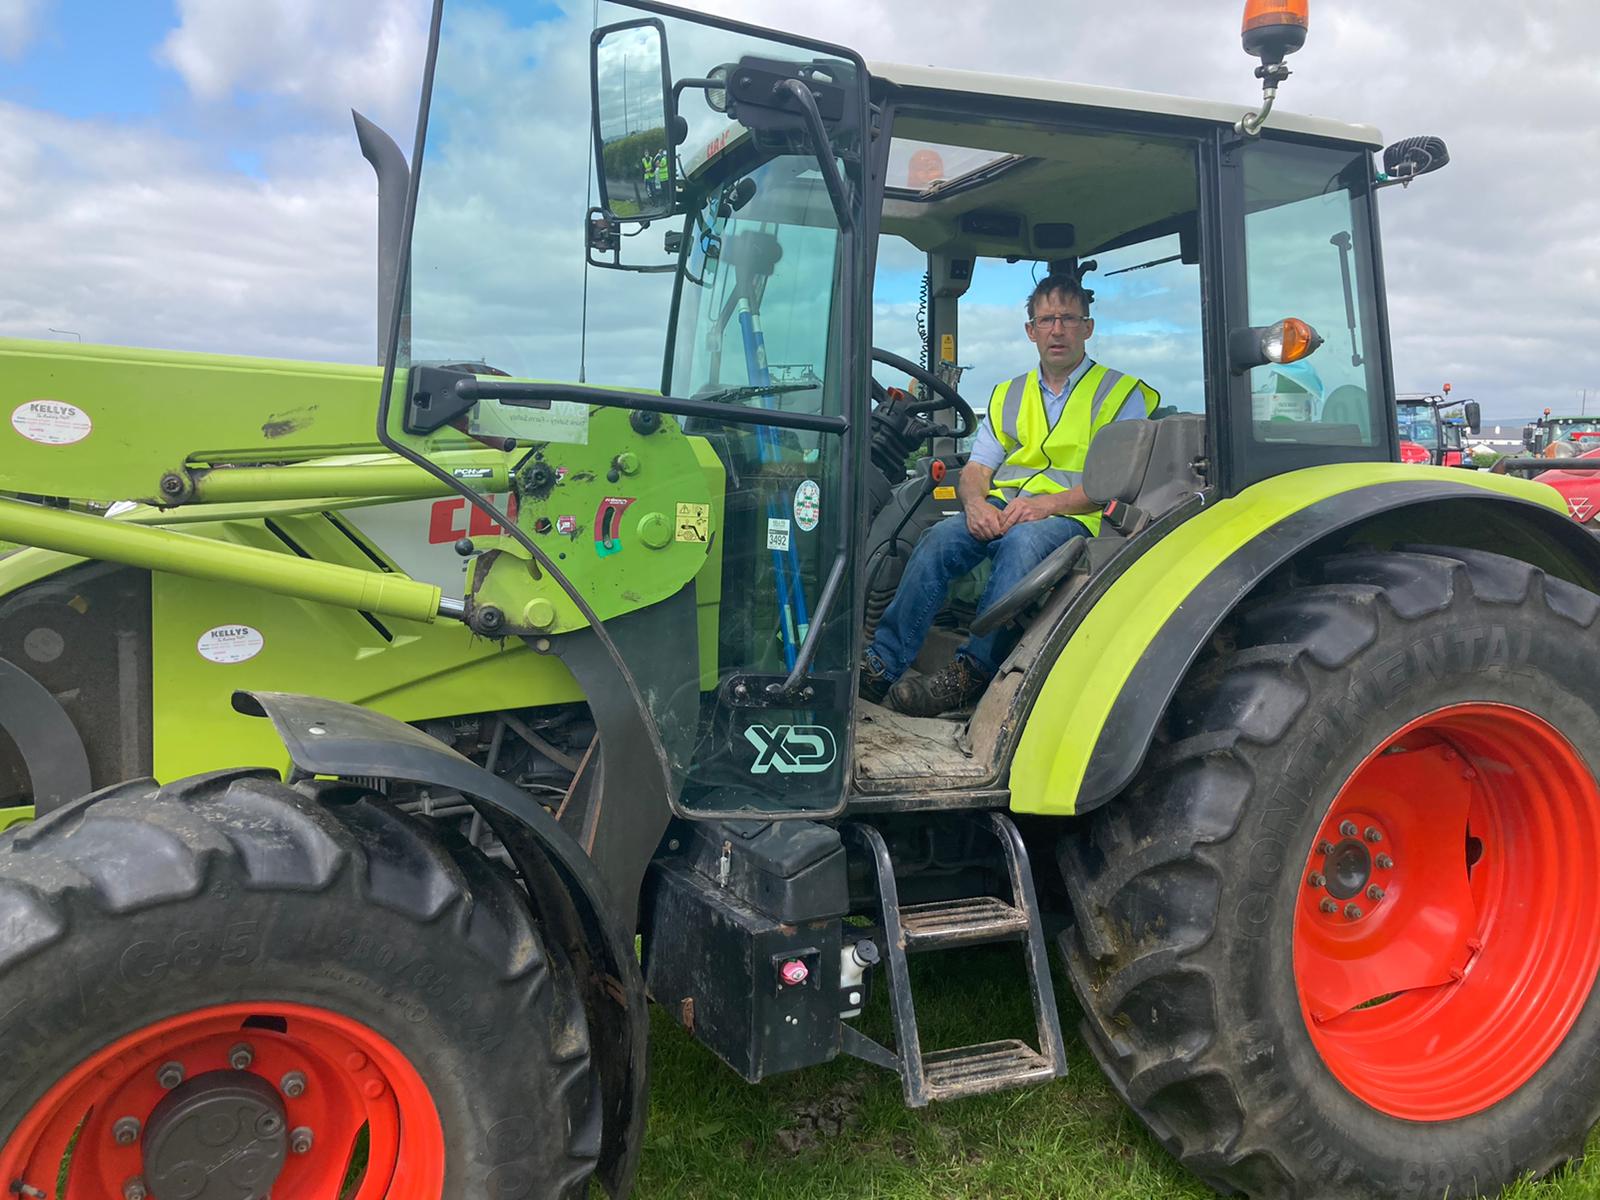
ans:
x=1094 y=717
x=326 y=737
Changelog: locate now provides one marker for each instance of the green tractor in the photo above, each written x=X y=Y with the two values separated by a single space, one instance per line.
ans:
x=418 y=726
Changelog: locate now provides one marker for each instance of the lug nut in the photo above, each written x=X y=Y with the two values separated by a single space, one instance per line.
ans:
x=300 y=1140
x=134 y=1189
x=1375 y=893
x=126 y=1131
x=1385 y=863
x=1374 y=834
x=1351 y=911
x=1316 y=879
x=1324 y=847
x=293 y=1085
x=169 y=1077
x=241 y=1056
x=1348 y=828
x=1328 y=906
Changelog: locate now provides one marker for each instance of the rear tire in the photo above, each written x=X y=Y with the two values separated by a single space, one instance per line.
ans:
x=142 y=924
x=1235 y=1011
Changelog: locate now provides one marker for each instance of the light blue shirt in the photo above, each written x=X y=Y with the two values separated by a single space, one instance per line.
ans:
x=986 y=448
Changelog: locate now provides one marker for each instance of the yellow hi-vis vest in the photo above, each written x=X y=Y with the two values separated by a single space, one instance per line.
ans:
x=1041 y=458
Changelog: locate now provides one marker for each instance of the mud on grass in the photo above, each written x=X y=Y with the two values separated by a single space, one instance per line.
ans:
x=843 y=1131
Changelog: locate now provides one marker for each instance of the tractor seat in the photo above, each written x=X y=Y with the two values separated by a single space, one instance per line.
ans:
x=1137 y=470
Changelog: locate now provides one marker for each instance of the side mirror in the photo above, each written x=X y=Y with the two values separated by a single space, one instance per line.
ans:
x=634 y=150
x=1474 y=416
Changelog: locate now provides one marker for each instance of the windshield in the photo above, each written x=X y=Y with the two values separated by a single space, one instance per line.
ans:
x=1416 y=423
x=702 y=545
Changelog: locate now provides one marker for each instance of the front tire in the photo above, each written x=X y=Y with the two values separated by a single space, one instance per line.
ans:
x=1340 y=940
x=362 y=980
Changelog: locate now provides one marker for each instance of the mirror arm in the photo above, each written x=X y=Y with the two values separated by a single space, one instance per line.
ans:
x=824 y=149
x=681 y=85
x=808 y=648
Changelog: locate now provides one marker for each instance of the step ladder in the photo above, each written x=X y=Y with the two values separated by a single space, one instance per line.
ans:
x=947 y=925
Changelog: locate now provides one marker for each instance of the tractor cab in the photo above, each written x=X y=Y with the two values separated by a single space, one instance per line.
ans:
x=803 y=278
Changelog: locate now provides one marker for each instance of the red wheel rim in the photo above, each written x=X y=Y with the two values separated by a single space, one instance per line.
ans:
x=354 y=1079
x=1447 y=928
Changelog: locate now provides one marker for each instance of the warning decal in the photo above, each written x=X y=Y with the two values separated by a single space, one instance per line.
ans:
x=230 y=644
x=51 y=422
x=694 y=522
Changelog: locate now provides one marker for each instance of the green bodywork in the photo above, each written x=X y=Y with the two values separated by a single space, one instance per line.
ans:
x=1052 y=758
x=287 y=549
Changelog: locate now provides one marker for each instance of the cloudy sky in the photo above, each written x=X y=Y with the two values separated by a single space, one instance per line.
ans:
x=184 y=174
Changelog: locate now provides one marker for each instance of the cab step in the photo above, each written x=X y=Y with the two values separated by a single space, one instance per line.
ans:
x=991 y=1067
x=974 y=921
x=951 y=924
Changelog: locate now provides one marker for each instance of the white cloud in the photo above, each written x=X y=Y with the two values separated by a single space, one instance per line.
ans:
x=19 y=25
x=328 y=57
x=127 y=237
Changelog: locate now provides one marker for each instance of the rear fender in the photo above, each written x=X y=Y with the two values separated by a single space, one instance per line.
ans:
x=328 y=738
x=1096 y=712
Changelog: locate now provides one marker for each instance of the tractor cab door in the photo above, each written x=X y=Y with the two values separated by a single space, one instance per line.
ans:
x=687 y=491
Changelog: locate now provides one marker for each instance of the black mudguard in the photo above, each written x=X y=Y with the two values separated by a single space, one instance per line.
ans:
x=52 y=752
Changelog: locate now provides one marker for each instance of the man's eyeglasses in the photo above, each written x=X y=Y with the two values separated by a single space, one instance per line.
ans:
x=1064 y=321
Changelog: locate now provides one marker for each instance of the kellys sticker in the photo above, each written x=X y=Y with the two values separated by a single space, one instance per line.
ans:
x=51 y=422
x=230 y=644
x=807 y=505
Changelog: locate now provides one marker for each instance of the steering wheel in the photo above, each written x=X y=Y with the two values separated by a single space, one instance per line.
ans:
x=1031 y=586
x=944 y=396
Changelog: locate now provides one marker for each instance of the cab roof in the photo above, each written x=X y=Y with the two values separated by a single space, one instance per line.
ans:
x=944 y=79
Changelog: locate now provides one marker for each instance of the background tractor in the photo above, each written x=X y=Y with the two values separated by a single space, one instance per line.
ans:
x=1294 y=756
x=1437 y=427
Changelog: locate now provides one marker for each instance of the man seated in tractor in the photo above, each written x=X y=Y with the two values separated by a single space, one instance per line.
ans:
x=1022 y=496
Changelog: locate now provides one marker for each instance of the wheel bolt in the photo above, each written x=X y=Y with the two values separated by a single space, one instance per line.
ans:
x=1373 y=834
x=300 y=1140
x=1385 y=863
x=1324 y=847
x=1328 y=906
x=126 y=1131
x=169 y=1077
x=293 y=1085
x=1348 y=828
x=134 y=1189
x=1351 y=911
x=1316 y=879
x=241 y=1056
x=1375 y=893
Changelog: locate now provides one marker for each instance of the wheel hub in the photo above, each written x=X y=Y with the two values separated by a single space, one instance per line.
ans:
x=1348 y=869
x=220 y=1136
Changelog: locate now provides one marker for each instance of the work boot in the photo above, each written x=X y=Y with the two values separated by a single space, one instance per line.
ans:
x=956 y=686
x=875 y=683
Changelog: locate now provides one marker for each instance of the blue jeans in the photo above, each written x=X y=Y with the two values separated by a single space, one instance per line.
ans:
x=945 y=553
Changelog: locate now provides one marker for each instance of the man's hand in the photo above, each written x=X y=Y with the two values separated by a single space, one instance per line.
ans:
x=1028 y=508
x=984 y=521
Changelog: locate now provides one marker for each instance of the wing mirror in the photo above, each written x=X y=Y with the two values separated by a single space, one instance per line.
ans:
x=634 y=146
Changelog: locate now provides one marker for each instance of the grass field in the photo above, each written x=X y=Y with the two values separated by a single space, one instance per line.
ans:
x=841 y=1131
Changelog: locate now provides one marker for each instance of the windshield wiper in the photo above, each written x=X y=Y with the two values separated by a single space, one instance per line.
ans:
x=734 y=395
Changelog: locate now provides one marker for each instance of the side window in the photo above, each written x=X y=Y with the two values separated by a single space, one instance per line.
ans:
x=1308 y=254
